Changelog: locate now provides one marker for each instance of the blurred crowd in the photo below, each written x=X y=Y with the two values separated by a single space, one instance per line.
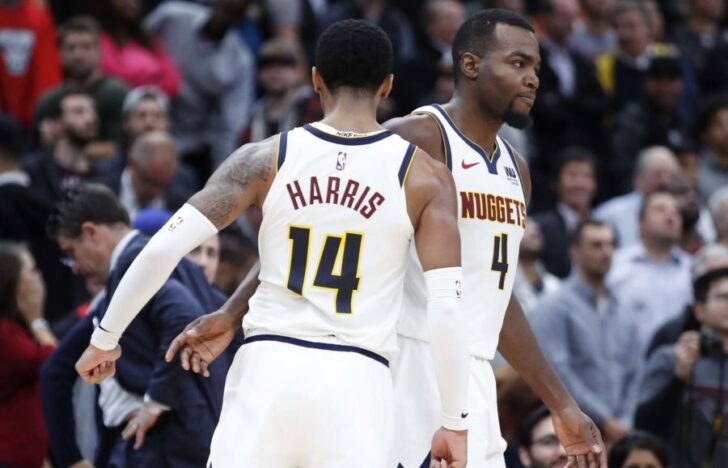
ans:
x=114 y=112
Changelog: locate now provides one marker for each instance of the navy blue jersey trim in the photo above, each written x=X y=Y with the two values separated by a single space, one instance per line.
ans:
x=316 y=345
x=282 y=145
x=490 y=162
x=353 y=141
x=443 y=133
x=406 y=163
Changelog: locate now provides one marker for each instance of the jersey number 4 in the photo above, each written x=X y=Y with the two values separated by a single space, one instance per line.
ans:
x=500 y=258
x=345 y=282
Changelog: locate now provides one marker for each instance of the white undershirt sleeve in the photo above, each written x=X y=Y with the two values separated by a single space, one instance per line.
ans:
x=449 y=342
x=185 y=230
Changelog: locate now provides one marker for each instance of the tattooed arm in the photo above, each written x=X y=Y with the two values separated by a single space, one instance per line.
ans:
x=242 y=180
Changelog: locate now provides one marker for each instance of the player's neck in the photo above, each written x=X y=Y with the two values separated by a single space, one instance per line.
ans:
x=473 y=122
x=353 y=114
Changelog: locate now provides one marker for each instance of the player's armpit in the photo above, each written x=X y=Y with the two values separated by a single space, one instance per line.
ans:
x=243 y=179
x=432 y=205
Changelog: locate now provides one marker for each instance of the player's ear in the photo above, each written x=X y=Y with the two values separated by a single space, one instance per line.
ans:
x=386 y=87
x=469 y=65
x=316 y=80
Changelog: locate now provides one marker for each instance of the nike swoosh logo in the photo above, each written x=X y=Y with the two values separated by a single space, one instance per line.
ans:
x=468 y=166
x=463 y=415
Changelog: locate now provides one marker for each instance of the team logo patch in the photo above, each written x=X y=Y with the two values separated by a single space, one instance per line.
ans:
x=341 y=161
x=511 y=175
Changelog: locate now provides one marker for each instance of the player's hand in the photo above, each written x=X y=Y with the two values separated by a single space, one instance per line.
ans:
x=82 y=464
x=95 y=364
x=141 y=422
x=203 y=340
x=449 y=449
x=580 y=438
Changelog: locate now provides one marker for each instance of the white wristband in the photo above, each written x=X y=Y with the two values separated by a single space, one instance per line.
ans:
x=39 y=324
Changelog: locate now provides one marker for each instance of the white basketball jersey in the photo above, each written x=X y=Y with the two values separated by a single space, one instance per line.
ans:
x=491 y=220
x=334 y=239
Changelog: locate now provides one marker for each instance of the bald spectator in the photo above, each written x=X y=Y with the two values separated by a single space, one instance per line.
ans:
x=81 y=62
x=656 y=167
x=153 y=178
x=652 y=276
x=218 y=76
x=719 y=211
x=417 y=76
x=146 y=109
x=570 y=101
x=67 y=163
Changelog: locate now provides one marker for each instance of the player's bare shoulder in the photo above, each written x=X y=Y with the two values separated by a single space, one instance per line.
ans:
x=421 y=130
x=245 y=176
x=429 y=181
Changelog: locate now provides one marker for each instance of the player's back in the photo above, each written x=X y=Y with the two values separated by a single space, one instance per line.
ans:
x=334 y=239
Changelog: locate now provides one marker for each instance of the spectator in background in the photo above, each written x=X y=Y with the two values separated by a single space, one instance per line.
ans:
x=682 y=393
x=653 y=121
x=719 y=210
x=22 y=219
x=711 y=129
x=416 y=77
x=575 y=189
x=652 y=277
x=594 y=34
x=25 y=343
x=638 y=450
x=711 y=257
x=589 y=336
x=568 y=111
x=145 y=109
x=286 y=102
x=152 y=177
x=218 y=77
x=697 y=226
x=688 y=157
x=207 y=257
x=29 y=63
x=80 y=60
x=129 y=52
x=538 y=446
x=237 y=257
x=67 y=164
x=701 y=32
x=532 y=280
x=656 y=166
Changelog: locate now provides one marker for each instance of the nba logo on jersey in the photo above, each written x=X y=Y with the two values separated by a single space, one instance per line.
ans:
x=341 y=161
x=458 y=289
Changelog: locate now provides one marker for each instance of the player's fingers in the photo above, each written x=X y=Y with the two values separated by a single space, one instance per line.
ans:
x=184 y=357
x=203 y=366
x=175 y=346
x=591 y=459
x=129 y=429
x=196 y=363
x=581 y=461
x=140 y=433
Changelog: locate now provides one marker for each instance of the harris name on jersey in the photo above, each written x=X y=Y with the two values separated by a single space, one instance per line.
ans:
x=335 y=191
x=494 y=208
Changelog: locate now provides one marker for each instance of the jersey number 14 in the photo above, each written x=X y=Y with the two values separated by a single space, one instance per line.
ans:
x=345 y=282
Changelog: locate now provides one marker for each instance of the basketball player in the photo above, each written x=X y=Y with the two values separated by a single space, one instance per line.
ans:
x=310 y=386
x=496 y=61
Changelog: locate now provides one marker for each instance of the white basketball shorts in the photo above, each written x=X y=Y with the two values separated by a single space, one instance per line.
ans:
x=418 y=415
x=288 y=404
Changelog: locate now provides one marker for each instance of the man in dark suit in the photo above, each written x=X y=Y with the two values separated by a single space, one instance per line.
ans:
x=170 y=414
x=570 y=101
x=575 y=186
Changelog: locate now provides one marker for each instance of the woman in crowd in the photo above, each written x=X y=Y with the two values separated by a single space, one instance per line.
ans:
x=638 y=450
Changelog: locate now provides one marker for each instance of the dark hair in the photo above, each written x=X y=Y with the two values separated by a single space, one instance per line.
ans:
x=647 y=198
x=354 y=54
x=10 y=267
x=702 y=284
x=235 y=247
x=574 y=154
x=88 y=202
x=476 y=33
x=11 y=139
x=578 y=233
x=710 y=106
x=637 y=440
x=625 y=6
x=79 y=24
x=119 y=29
x=525 y=436
x=57 y=108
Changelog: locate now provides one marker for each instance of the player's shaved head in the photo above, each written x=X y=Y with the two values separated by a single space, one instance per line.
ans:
x=477 y=34
x=354 y=54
